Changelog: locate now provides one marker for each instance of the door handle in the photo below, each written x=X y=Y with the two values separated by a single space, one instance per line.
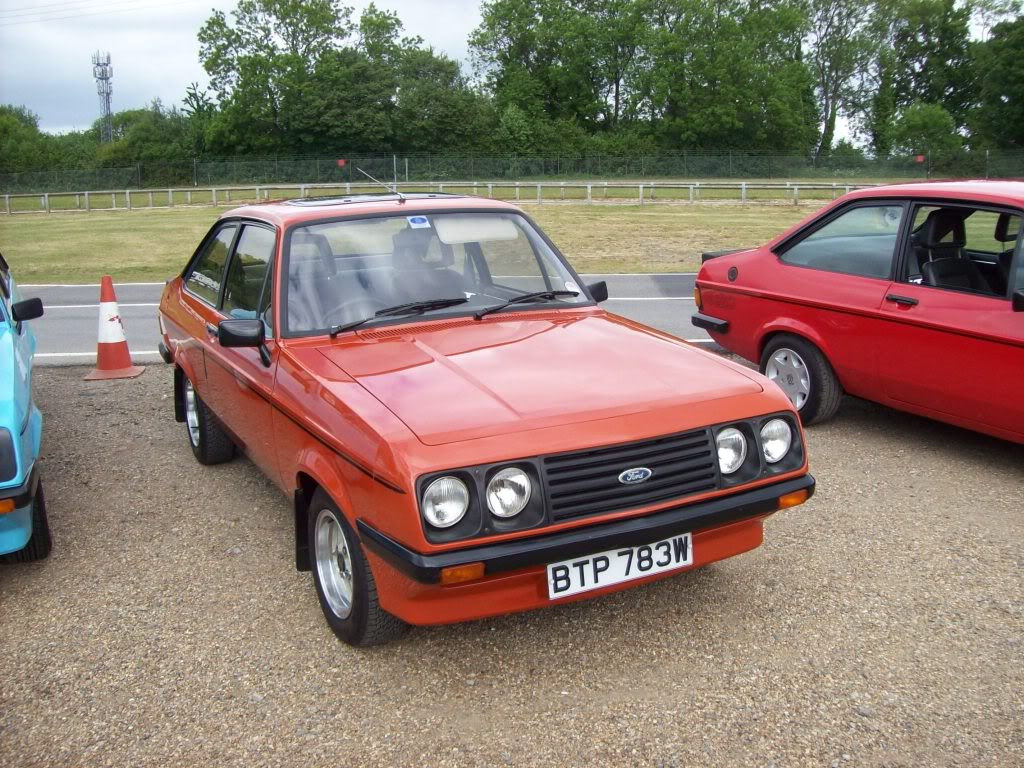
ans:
x=212 y=329
x=906 y=301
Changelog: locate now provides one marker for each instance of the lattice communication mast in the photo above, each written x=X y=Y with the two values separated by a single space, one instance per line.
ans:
x=104 y=73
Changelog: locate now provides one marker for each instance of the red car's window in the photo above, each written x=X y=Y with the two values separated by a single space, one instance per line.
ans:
x=208 y=271
x=345 y=271
x=248 y=271
x=860 y=241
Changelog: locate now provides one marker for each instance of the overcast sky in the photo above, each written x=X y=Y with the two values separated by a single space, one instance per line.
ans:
x=46 y=49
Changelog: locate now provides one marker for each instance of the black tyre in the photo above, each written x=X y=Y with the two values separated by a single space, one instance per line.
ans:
x=210 y=443
x=344 y=583
x=40 y=543
x=803 y=373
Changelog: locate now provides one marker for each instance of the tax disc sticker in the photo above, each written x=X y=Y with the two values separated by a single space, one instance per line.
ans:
x=571 y=286
x=418 y=222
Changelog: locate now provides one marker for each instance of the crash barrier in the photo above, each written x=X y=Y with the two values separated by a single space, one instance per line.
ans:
x=639 y=192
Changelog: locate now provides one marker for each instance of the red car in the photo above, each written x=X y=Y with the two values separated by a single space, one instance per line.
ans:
x=910 y=295
x=462 y=430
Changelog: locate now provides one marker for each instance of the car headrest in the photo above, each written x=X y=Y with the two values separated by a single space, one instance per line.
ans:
x=1007 y=227
x=945 y=227
x=309 y=245
x=412 y=248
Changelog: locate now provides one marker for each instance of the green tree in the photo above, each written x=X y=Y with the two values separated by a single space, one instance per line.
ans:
x=926 y=129
x=22 y=145
x=999 y=119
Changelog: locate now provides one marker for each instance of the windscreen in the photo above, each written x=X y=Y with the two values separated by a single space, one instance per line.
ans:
x=345 y=271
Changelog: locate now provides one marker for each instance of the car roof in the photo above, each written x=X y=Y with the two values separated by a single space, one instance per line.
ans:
x=284 y=213
x=983 y=190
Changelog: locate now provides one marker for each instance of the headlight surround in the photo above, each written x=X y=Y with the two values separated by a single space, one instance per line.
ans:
x=776 y=440
x=508 y=492
x=445 y=502
x=732 y=450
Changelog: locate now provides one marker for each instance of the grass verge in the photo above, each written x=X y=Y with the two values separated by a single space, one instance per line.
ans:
x=152 y=245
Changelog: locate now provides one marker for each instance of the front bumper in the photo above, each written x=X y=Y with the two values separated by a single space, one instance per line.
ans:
x=543 y=549
x=16 y=526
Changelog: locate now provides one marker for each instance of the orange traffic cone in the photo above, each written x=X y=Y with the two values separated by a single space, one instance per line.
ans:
x=113 y=360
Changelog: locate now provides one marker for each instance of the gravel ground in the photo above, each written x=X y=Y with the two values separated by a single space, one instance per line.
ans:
x=880 y=624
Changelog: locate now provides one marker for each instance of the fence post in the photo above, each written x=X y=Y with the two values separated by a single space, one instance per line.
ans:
x=691 y=192
x=113 y=200
x=561 y=191
x=170 y=198
x=606 y=190
x=743 y=192
x=348 y=187
x=847 y=189
x=213 y=195
x=833 y=190
x=227 y=195
x=150 y=199
x=188 y=196
x=490 y=189
x=652 y=190
x=796 y=194
x=87 y=202
x=257 y=194
x=474 y=188
x=128 y=199
x=590 y=196
x=78 y=201
x=7 y=203
x=517 y=191
x=44 y=202
x=538 y=194
x=641 y=194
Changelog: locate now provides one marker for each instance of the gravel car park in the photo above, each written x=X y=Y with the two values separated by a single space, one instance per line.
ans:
x=880 y=624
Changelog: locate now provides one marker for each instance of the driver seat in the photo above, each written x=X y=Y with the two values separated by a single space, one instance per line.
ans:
x=415 y=278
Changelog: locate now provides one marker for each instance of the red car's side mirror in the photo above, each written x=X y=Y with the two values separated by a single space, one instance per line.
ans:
x=1018 y=301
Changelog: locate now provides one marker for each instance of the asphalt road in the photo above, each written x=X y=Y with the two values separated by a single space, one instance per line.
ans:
x=67 y=332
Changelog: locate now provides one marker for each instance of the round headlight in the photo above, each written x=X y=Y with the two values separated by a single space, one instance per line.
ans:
x=508 y=492
x=776 y=438
x=445 y=502
x=732 y=450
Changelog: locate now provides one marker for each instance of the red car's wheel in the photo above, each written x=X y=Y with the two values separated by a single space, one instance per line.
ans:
x=210 y=443
x=803 y=373
x=344 y=582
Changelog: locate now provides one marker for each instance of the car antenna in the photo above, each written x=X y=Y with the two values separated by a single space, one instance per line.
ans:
x=388 y=187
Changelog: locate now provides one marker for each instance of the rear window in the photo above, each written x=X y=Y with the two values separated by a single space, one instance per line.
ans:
x=860 y=241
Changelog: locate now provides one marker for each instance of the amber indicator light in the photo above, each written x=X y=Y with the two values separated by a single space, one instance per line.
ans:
x=696 y=297
x=792 y=499
x=460 y=573
x=6 y=505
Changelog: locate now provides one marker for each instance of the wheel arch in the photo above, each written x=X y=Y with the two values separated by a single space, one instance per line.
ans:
x=800 y=330
x=315 y=471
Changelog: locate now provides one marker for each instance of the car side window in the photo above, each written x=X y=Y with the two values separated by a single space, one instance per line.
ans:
x=247 y=272
x=860 y=241
x=961 y=248
x=208 y=271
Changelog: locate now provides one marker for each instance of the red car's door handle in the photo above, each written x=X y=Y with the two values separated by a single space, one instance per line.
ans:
x=906 y=301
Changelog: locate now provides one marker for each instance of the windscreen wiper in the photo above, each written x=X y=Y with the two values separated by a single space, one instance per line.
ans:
x=409 y=308
x=525 y=298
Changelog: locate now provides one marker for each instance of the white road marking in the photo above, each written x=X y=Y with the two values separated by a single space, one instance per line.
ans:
x=89 y=354
x=78 y=285
x=48 y=307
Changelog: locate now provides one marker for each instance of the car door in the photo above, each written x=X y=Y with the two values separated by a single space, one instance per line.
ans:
x=830 y=282
x=239 y=383
x=199 y=299
x=954 y=349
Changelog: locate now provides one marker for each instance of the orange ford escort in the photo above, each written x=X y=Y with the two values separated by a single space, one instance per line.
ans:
x=463 y=431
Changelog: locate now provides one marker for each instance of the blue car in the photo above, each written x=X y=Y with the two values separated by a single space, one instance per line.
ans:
x=24 y=530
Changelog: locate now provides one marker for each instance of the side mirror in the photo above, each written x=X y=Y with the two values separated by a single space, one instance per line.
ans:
x=599 y=291
x=244 y=333
x=29 y=309
x=1018 y=301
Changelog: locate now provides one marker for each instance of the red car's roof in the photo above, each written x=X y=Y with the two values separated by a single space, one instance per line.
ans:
x=983 y=190
x=287 y=212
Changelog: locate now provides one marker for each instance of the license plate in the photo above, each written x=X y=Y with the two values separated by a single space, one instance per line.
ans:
x=615 y=566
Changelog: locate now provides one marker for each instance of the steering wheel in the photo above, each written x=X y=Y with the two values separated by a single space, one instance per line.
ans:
x=343 y=311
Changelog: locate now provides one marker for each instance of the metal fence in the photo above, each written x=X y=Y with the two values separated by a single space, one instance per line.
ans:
x=538 y=193
x=501 y=168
